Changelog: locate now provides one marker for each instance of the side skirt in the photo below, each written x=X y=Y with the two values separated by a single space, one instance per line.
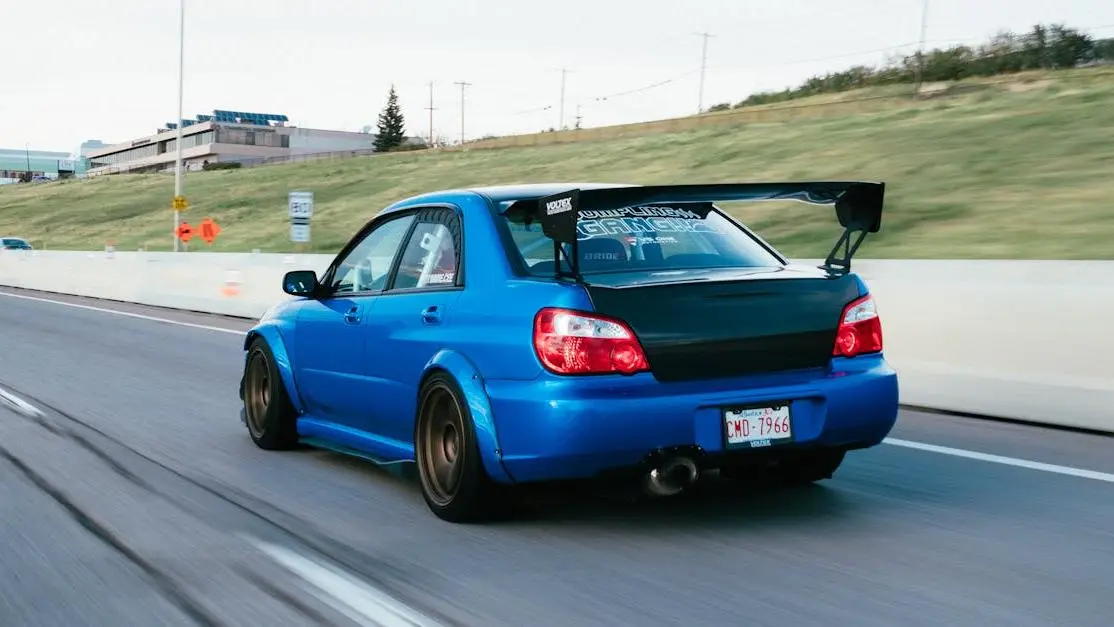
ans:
x=344 y=440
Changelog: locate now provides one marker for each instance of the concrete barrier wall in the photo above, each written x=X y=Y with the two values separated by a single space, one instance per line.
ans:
x=1031 y=340
x=233 y=284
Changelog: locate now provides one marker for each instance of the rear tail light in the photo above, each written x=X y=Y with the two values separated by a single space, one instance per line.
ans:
x=860 y=329
x=575 y=342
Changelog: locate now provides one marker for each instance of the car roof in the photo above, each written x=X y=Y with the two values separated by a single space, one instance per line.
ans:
x=502 y=193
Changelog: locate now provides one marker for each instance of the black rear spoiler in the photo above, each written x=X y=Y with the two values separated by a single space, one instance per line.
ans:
x=858 y=207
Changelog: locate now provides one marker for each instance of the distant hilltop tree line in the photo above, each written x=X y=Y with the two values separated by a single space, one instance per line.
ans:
x=1045 y=47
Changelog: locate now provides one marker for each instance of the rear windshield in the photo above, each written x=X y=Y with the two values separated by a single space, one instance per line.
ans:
x=638 y=239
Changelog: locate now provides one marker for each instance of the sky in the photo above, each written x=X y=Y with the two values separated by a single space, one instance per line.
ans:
x=108 y=69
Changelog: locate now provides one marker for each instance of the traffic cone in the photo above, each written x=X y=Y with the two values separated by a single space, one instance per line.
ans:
x=232 y=283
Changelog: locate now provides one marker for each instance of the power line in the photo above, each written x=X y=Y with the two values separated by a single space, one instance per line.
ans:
x=534 y=110
x=638 y=90
x=703 y=69
x=605 y=97
x=462 y=84
x=845 y=55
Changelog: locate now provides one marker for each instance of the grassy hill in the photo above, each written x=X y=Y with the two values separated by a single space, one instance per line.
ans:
x=1004 y=168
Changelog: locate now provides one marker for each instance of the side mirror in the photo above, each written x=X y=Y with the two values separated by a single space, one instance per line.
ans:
x=300 y=282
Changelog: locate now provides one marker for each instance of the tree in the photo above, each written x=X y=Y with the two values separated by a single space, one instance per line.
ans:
x=392 y=131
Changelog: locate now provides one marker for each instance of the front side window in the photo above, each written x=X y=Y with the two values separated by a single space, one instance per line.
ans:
x=636 y=239
x=365 y=267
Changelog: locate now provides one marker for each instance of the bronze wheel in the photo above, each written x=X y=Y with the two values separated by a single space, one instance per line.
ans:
x=257 y=393
x=454 y=483
x=443 y=445
x=268 y=412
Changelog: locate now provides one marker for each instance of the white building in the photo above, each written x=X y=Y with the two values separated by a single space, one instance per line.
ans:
x=225 y=136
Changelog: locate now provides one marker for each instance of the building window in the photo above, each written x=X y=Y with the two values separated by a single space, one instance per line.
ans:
x=244 y=137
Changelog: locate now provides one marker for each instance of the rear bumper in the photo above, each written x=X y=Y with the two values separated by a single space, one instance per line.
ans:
x=553 y=429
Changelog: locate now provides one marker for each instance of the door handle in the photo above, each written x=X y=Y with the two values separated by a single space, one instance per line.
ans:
x=353 y=316
x=431 y=315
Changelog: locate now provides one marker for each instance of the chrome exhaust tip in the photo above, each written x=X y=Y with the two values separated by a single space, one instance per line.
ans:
x=671 y=477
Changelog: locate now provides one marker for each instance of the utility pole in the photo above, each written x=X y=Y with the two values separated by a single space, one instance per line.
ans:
x=178 y=141
x=27 y=153
x=561 y=121
x=431 y=109
x=703 y=69
x=462 y=84
x=920 y=50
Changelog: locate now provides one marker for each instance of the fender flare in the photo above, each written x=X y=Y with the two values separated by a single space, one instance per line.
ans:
x=471 y=383
x=273 y=337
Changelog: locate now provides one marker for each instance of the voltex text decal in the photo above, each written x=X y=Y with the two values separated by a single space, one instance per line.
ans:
x=561 y=205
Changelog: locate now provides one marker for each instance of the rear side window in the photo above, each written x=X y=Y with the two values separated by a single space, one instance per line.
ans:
x=636 y=239
x=430 y=258
x=15 y=243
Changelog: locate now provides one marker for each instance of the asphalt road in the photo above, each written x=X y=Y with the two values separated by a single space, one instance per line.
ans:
x=131 y=494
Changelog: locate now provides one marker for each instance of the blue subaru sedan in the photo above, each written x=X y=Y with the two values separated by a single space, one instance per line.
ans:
x=503 y=337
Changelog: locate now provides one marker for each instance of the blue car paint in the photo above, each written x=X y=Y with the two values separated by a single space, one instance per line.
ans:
x=532 y=425
x=331 y=355
x=578 y=428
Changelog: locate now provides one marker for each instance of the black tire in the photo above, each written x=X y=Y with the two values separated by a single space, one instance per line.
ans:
x=270 y=416
x=453 y=480
x=797 y=470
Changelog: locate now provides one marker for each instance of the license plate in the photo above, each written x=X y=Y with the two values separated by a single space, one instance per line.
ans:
x=754 y=427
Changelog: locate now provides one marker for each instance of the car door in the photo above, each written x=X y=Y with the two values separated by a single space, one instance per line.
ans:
x=412 y=319
x=331 y=342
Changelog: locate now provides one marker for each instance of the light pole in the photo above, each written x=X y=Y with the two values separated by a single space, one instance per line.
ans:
x=178 y=140
x=27 y=154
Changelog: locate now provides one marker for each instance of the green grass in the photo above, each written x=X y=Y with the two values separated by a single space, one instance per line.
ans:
x=1018 y=168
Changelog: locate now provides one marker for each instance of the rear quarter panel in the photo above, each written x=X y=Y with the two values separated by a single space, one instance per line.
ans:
x=496 y=327
x=494 y=318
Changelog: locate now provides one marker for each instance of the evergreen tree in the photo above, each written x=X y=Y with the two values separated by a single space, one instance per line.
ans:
x=392 y=130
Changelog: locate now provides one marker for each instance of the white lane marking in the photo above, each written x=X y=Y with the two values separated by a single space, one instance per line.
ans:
x=348 y=595
x=128 y=314
x=19 y=405
x=1006 y=461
